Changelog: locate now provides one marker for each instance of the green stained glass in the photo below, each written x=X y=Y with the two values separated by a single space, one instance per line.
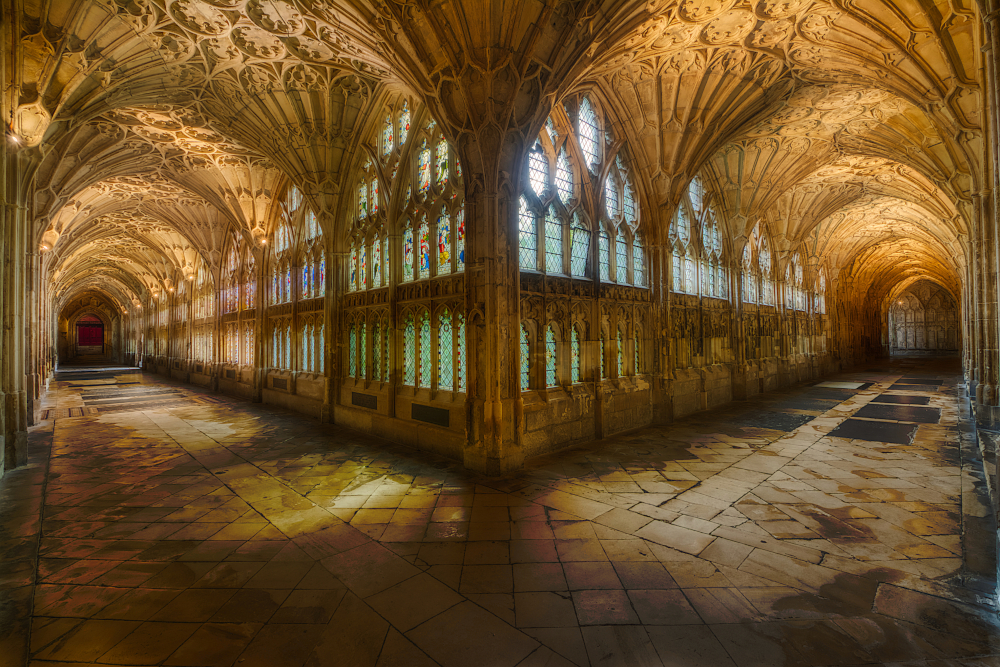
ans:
x=550 y=357
x=525 y=359
x=527 y=237
x=621 y=258
x=441 y=162
x=362 y=366
x=353 y=353
x=362 y=201
x=445 y=375
x=574 y=349
x=407 y=254
x=460 y=361
x=409 y=352
x=604 y=252
x=425 y=351
x=579 y=248
x=377 y=352
x=621 y=356
x=553 y=242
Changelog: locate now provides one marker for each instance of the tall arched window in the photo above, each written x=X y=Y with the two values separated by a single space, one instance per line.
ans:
x=766 y=264
x=696 y=245
x=409 y=351
x=621 y=354
x=751 y=267
x=377 y=362
x=525 y=360
x=820 y=306
x=550 y=357
x=446 y=375
x=424 y=370
x=460 y=356
x=574 y=355
x=352 y=342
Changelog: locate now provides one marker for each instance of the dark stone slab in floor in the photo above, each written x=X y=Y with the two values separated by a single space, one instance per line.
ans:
x=907 y=400
x=915 y=387
x=937 y=381
x=813 y=404
x=859 y=429
x=903 y=413
x=777 y=421
x=827 y=393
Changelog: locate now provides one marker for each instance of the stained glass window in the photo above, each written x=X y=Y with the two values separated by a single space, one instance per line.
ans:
x=441 y=162
x=377 y=352
x=621 y=355
x=589 y=133
x=527 y=237
x=564 y=177
x=445 y=375
x=621 y=257
x=353 y=352
x=611 y=196
x=363 y=267
x=409 y=352
x=404 y=123
x=353 y=280
x=305 y=279
x=604 y=252
x=525 y=359
x=553 y=242
x=538 y=170
x=407 y=254
x=312 y=227
x=579 y=247
x=424 y=168
x=409 y=192
x=550 y=357
x=362 y=201
x=275 y=286
x=294 y=199
x=425 y=350
x=387 y=135
x=635 y=352
x=574 y=360
x=377 y=262
x=385 y=260
x=444 y=243
x=319 y=284
x=460 y=239
x=248 y=345
x=425 y=248
x=638 y=263
x=460 y=357
x=362 y=344
x=628 y=202
x=601 y=361
x=374 y=201
x=321 y=347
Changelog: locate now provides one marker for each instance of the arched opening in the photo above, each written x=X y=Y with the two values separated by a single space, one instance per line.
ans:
x=89 y=335
x=924 y=318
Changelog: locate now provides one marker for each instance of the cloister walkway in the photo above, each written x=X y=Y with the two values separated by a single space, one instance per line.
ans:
x=839 y=523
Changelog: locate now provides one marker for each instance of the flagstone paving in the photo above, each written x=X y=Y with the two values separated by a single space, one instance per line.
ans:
x=161 y=525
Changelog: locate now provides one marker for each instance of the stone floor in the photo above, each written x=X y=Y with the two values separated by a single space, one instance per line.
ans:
x=842 y=523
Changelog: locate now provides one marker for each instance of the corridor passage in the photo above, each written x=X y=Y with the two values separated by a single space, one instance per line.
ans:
x=839 y=523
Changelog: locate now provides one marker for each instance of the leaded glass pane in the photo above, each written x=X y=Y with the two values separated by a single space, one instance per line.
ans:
x=385 y=260
x=319 y=283
x=564 y=177
x=425 y=350
x=538 y=170
x=320 y=346
x=377 y=352
x=638 y=263
x=441 y=162
x=579 y=248
x=690 y=276
x=404 y=123
x=362 y=348
x=407 y=255
x=550 y=357
x=363 y=267
x=621 y=355
x=553 y=243
x=409 y=352
x=550 y=129
x=628 y=203
x=611 y=196
x=706 y=279
x=312 y=227
x=696 y=193
x=306 y=292
x=424 y=169
x=604 y=252
x=589 y=133
x=721 y=282
x=353 y=354
x=621 y=258
x=353 y=280
x=444 y=243
x=362 y=201
x=527 y=237
x=374 y=201
x=460 y=358
x=635 y=353
x=424 y=258
x=574 y=350
x=387 y=136
x=603 y=367
x=525 y=360
x=445 y=374
x=460 y=239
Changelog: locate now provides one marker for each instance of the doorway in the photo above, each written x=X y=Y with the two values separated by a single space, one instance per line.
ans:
x=89 y=335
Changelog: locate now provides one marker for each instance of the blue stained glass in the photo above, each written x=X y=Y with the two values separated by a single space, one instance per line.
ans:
x=363 y=267
x=319 y=284
x=425 y=249
x=460 y=239
x=425 y=350
x=408 y=255
x=305 y=280
x=353 y=281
